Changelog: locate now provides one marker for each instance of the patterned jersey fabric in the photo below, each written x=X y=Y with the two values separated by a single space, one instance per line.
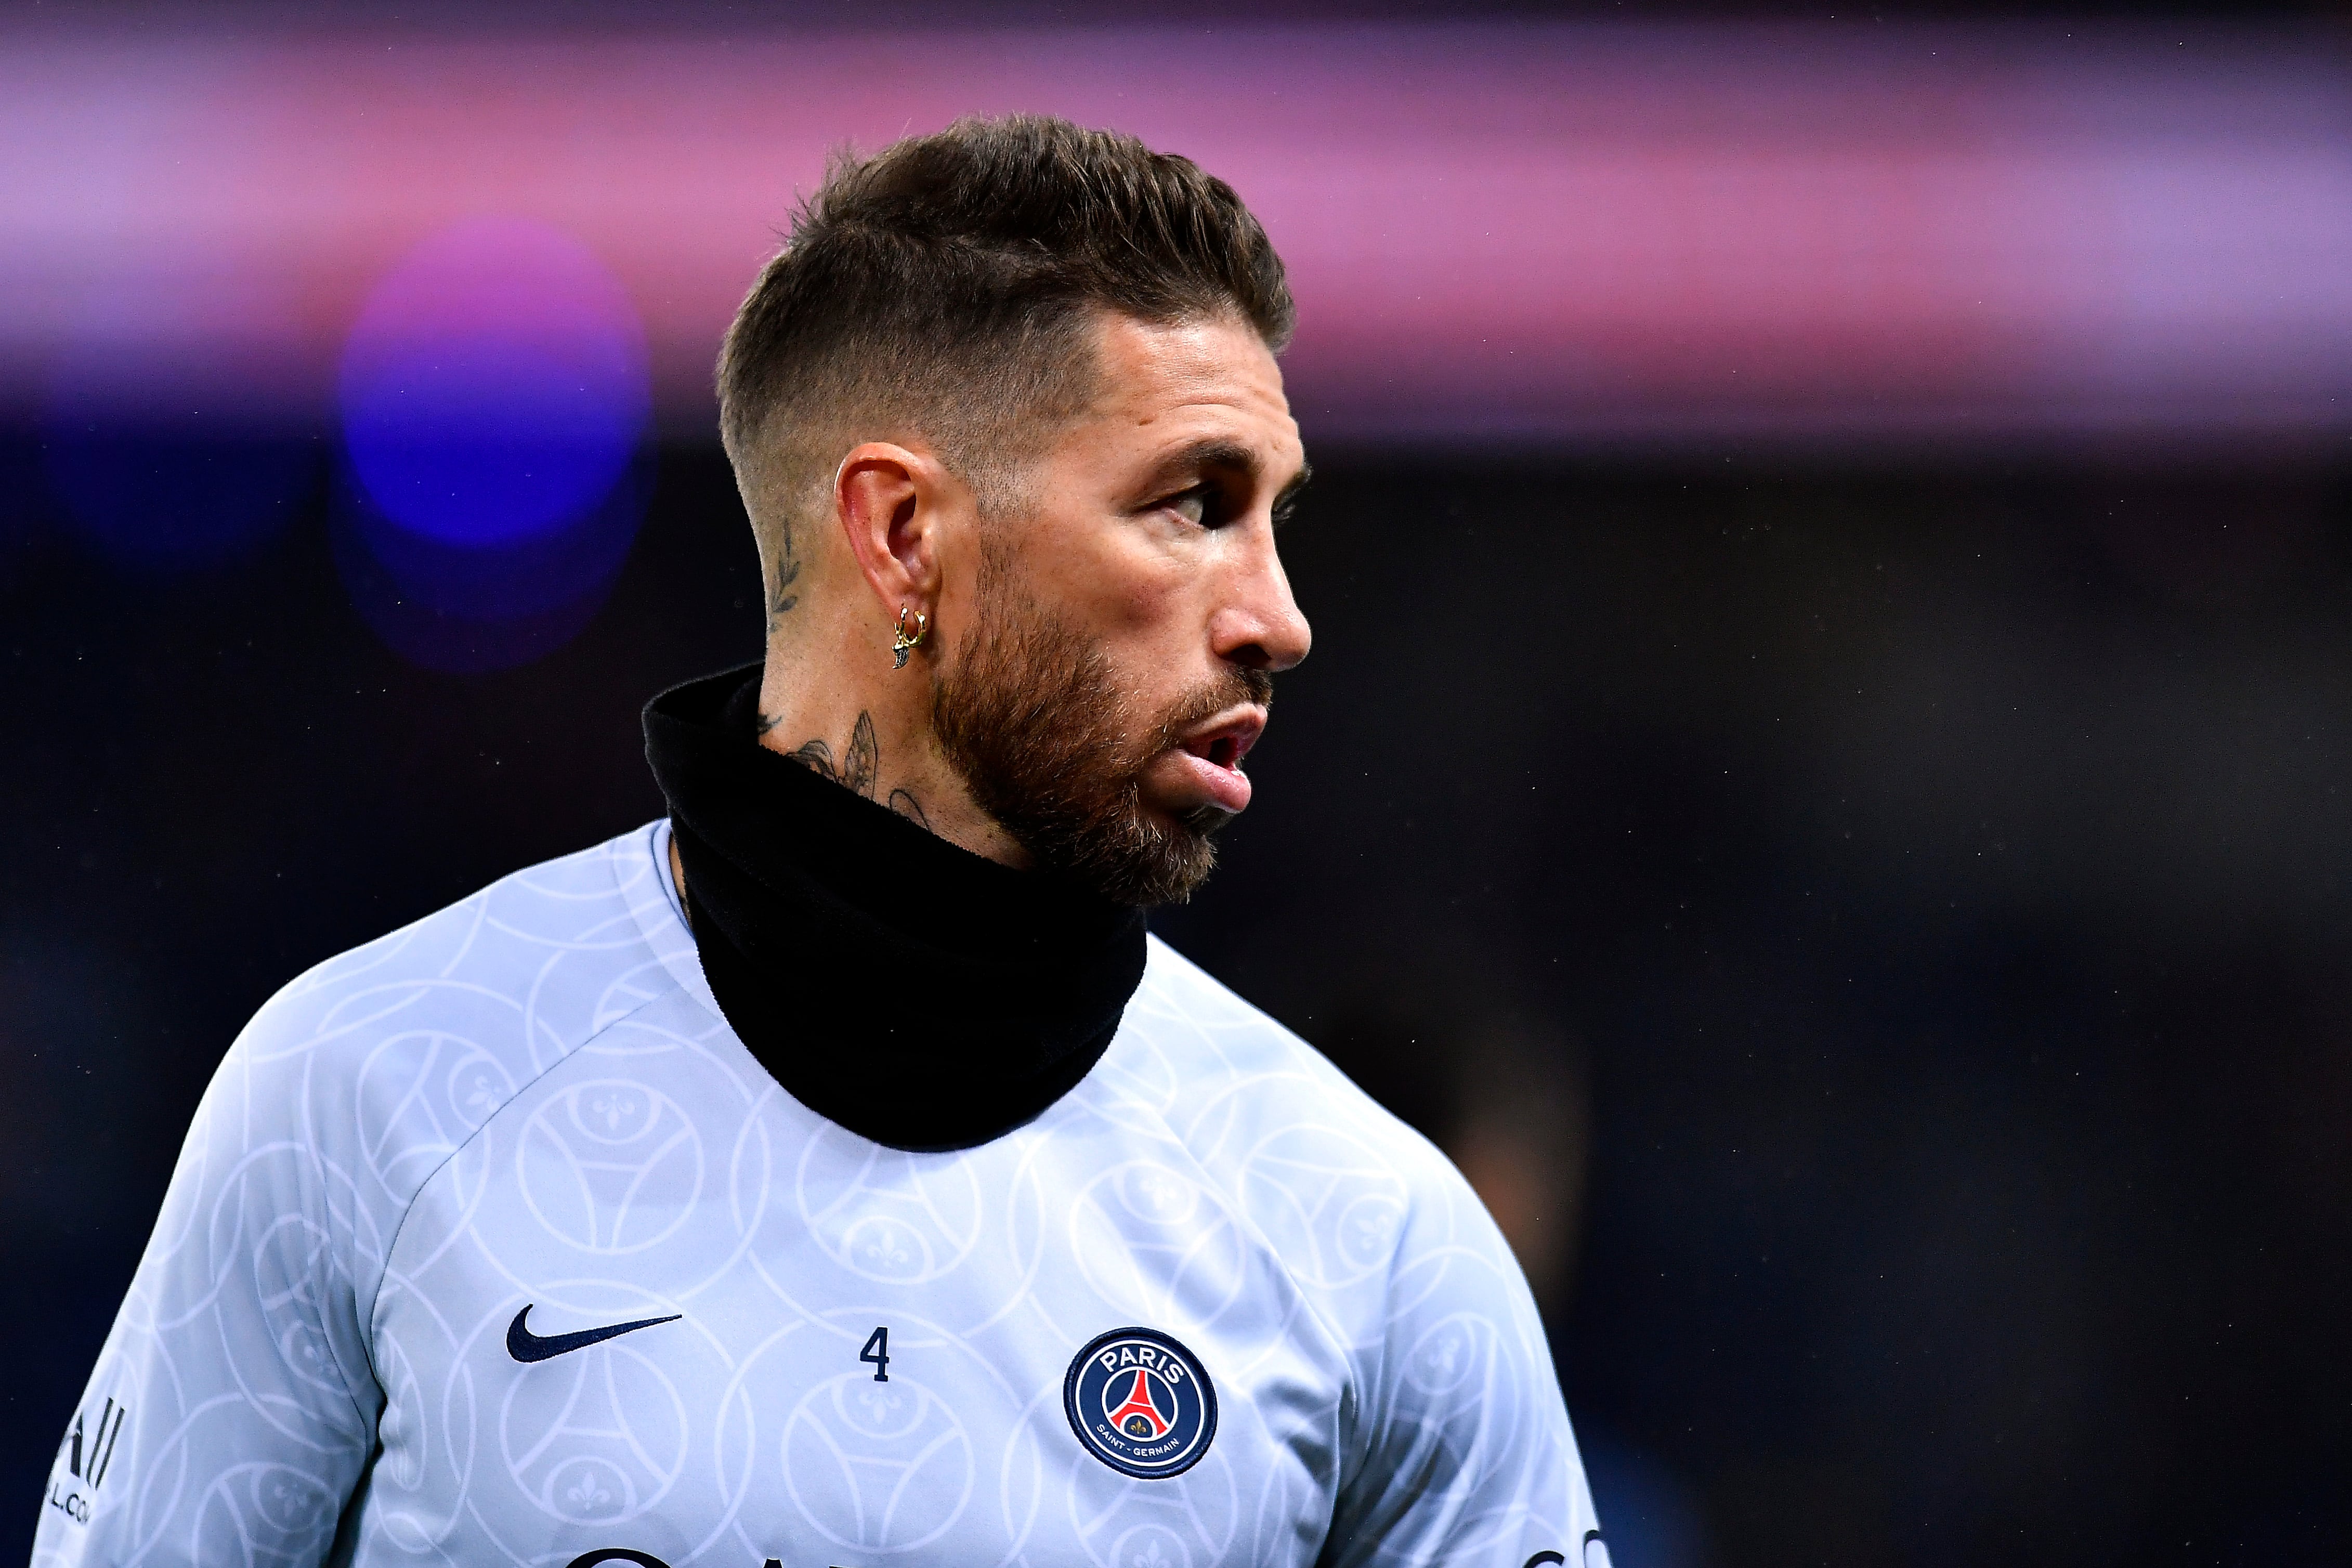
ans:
x=491 y=1243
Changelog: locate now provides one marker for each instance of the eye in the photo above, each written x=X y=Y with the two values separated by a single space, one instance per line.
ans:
x=1192 y=505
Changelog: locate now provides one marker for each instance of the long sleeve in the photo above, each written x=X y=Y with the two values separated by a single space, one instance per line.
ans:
x=233 y=1410
x=1464 y=1454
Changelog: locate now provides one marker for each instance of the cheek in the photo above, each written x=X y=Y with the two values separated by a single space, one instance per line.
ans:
x=1152 y=606
x=1152 y=631
x=1140 y=593
x=1144 y=598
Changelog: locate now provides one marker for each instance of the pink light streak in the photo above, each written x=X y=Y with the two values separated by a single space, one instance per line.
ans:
x=1576 y=234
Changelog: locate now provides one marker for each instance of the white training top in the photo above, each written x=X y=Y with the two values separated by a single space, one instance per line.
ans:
x=492 y=1244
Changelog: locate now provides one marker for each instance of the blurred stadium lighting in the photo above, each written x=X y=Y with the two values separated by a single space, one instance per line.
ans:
x=494 y=398
x=494 y=386
x=463 y=606
x=143 y=433
x=1576 y=233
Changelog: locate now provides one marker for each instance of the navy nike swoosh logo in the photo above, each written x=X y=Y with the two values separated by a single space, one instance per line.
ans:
x=526 y=1346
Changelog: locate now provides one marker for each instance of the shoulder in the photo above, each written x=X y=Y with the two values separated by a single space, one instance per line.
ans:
x=1211 y=1059
x=389 y=1057
x=1349 y=1197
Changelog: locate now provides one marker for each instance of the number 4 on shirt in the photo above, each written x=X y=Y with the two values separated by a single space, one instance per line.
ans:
x=877 y=1351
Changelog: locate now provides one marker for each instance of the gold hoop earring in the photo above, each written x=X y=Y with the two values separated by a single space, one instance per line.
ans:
x=904 y=642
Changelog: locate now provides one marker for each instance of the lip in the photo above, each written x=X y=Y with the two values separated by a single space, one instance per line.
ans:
x=1211 y=755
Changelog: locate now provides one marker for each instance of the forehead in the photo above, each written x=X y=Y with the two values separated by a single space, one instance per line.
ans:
x=1164 y=384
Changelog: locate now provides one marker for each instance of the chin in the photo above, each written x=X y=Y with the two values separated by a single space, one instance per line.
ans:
x=1197 y=818
x=1206 y=821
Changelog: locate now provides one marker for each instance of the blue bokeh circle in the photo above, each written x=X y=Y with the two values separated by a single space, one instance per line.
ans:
x=494 y=386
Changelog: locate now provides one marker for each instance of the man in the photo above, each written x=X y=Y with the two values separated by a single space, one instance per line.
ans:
x=836 y=1173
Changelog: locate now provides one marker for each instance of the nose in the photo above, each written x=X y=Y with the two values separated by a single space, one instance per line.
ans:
x=1259 y=624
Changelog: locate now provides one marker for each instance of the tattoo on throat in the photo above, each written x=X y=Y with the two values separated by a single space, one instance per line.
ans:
x=857 y=770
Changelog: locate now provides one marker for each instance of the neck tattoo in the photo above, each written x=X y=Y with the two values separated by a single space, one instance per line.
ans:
x=859 y=768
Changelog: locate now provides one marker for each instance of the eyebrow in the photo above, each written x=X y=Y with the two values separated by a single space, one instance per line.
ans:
x=1218 y=452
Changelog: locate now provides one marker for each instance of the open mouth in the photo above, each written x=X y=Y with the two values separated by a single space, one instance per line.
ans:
x=1220 y=750
x=1225 y=743
x=1213 y=755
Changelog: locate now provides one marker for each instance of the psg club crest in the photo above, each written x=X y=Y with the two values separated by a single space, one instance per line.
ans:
x=1140 y=1403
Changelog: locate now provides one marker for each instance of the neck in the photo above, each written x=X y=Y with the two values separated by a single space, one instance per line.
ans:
x=870 y=732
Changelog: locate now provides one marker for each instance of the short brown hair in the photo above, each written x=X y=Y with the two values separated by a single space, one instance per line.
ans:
x=948 y=283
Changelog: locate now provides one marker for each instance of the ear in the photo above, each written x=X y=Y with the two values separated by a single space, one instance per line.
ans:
x=890 y=502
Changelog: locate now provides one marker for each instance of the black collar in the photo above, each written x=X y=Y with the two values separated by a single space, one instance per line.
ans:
x=920 y=995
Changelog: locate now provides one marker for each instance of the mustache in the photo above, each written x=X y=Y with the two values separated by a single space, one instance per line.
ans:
x=1237 y=686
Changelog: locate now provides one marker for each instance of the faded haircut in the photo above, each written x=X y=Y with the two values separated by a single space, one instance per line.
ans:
x=946 y=289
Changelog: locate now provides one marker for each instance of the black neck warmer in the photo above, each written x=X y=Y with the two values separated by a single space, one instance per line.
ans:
x=920 y=995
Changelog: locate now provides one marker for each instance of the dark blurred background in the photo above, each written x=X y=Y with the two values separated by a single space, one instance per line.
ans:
x=1850 y=861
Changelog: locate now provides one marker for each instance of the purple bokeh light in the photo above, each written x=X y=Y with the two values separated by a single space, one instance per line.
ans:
x=495 y=401
x=1789 y=235
x=495 y=384
x=148 y=442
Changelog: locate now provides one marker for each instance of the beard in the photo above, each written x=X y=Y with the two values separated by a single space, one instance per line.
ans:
x=1032 y=719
